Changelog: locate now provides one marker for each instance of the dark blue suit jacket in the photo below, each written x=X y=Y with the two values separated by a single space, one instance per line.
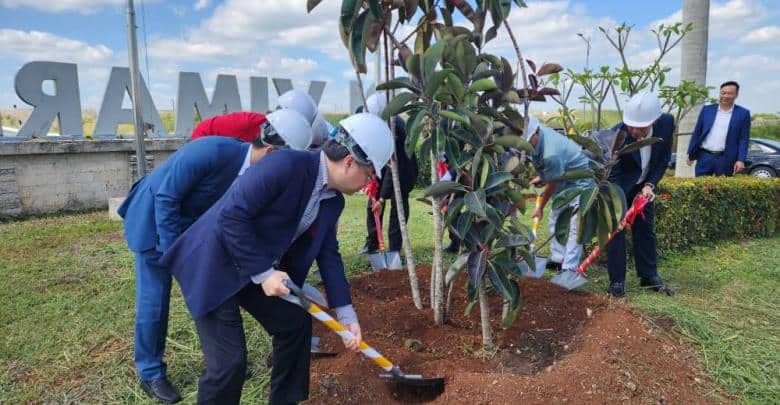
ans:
x=628 y=169
x=162 y=204
x=250 y=229
x=737 y=136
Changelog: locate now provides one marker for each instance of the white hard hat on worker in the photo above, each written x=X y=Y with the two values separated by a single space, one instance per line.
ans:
x=640 y=113
x=300 y=101
x=286 y=128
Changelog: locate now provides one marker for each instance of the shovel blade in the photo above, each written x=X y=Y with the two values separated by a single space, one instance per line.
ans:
x=540 y=263
x=377 y=261
x=569 y=279
x=393 y=260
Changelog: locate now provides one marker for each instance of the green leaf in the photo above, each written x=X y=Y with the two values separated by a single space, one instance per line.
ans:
x=397 y=104
x=587 y=226
x=456 y=85
x=349 y=10
x=512 y=241
x=413 y=66
x=453 y=116
x=399 y=83
x=435 y=81
x=507 y=265
x=576 y=174
x=565 y=197
x=587 y=198
x=453 y=210
x=357 y=43
x=514 y=307
x=456 y=268
x=413 y=133
x=471 y=292
x=376 y=9
x=496 y=179
x=507 y=77
x=638 y=145
x=463 y=225
x=475 y=201
x=477 y=262
x=432 y=57
x=514 y=141
x=475 y=164
x=562 y=226
x=466 y=136
x=494 y=217
x=443 y=188
x=618 y=198
x=604 y=221
x=500 y=282
x=549 y=68
x=482 y=85
x=485 y=172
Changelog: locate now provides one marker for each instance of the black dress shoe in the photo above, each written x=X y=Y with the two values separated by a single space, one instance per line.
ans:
x=617 y=290
x=554 y=266
x=452 y=248
x=162 y=390
x=656 y=284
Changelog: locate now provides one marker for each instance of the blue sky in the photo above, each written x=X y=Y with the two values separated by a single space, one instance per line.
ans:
x=276 y=38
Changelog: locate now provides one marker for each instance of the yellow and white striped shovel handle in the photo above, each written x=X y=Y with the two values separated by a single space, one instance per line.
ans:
x=342 y=331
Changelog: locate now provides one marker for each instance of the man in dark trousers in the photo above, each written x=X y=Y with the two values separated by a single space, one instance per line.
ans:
x=407 y=173
x=161 y=205
x=235 y=255
x=719 y=143
x=639 y=173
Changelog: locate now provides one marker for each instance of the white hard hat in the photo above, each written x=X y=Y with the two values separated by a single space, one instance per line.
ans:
x=642 y=110
x=373 y=136
x=291 y=126
x=376 y=103
x=320 y=130
x=300 y=101
x=533 y=125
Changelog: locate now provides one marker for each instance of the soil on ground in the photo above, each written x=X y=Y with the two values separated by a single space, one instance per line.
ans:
x=565 y=347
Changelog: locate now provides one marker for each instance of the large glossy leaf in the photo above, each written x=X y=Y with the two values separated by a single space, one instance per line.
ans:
x=494 y=217
x=466 y=136
x=453 y=210
x=477 y=262
x=357 y=42
x=476 y=123
x=432 y=57
x=399 y=83
x=512 y=241
x=514 y=141
x=618 y=198
x=500 y=282
x=587 y=198
x=442 y=188
x=435 y=81
x=476 y=203
x=482 y=85
x=576 y=174
x=549 y=68
x=507 y=76
x=496 y=179
x=397 y=104
x=466 y=57
x=639 y=144
x=565 y=197
x=475 y=164
x=562 y=225
x=413 y=132
x=456 y=86
x=414 y=66
x=587 y=226
x=604 y=221
x=464 y=223
x=456 y=268
x=514 y=306
x=507 y=265
x=484 y=172
x=349 y=11
x=590 y=145
x=376 y=9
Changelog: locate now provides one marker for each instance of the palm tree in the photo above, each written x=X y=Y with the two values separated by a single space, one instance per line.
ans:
x=694 y=67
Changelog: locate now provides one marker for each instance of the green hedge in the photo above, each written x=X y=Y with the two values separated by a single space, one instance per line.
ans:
x=707 y=209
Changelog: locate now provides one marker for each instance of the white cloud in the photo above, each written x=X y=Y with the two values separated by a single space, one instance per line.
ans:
x=769 y=35
x=201 y=4
x=37 y=45
x=59 y=6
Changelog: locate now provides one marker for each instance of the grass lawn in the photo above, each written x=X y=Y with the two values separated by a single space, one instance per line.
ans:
x=67 y=285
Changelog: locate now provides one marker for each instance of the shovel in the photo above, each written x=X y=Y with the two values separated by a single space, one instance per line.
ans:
x=539 y=261
x=408 y=387
x=382 y=260
x=575 y=279
x=315 y=295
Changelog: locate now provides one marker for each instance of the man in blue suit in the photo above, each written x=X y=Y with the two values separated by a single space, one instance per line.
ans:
x=640 y=172
x=161 y=205
x=269 y=227
x=719 y=142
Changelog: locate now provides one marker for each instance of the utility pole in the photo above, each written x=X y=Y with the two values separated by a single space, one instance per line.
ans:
x=135 y=89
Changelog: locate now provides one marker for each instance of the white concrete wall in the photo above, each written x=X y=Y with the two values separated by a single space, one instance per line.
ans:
x=69 y=175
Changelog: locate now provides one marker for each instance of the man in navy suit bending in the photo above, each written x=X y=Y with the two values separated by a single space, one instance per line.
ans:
x=270 y=226
x=719 y=142
x=164 y=203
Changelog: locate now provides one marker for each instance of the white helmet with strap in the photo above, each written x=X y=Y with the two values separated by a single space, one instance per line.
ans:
x=642 y=110
x=290 y=126
x=373 y=136
x=300 y=101
x=376 y=103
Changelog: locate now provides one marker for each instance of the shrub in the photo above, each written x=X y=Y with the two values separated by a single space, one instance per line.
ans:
x=707 y=209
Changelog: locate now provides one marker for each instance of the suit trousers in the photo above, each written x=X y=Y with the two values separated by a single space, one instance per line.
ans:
x=221 y=334
x=152 y=298
x=713 y=165
x=644 y=243
x=394 y=230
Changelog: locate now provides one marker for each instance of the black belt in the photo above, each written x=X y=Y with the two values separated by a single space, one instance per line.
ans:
x=718 y=153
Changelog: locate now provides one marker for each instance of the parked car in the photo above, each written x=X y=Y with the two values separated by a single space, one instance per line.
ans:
x=763 y=158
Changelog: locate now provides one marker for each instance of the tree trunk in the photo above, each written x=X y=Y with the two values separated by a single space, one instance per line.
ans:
x=399 y=207
x=484 y=313
x=694 y=67
x=437 y=279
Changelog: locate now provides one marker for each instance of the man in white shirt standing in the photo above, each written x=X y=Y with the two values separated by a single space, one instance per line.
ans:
x=719 y=142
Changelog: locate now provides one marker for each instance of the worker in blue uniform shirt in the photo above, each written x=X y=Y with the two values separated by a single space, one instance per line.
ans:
x=161 y=205
x=554 y=155
x=235 y=255
x=639 y=173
